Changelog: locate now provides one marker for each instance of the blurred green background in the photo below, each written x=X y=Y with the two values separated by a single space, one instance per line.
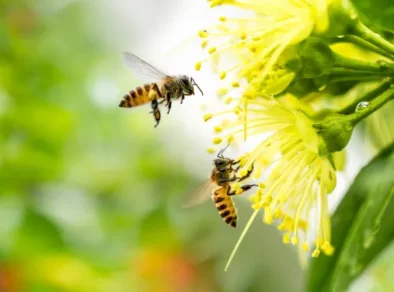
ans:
x=89 y=197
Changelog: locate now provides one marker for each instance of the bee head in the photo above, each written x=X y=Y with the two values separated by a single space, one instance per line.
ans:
x=221 y=163
x=188 y=84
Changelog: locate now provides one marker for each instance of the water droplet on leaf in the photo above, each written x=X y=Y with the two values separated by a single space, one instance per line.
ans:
x=362 y=105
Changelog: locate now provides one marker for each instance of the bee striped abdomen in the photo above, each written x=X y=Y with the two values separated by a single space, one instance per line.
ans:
x=225 y=206
x=138 y=96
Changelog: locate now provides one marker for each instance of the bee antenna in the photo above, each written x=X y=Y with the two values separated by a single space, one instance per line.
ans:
x=220 y=154
x=194 y=83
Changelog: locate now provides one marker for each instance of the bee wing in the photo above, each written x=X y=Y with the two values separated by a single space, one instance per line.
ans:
x=200 y=195
x=141 y=69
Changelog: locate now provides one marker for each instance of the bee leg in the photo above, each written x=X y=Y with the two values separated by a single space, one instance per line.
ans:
x=156 y=111
x=247 y=174
x=167 y=98
x=169 y=107
x=156 y=88
x=157 y=117
x=182 y=98
x=235 y=169
x=168 y=91
x=243 y=188
x=226 y=180
x=155 y=105
x=236 y=162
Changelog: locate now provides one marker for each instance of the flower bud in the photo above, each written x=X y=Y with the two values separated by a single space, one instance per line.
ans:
x=336 y=132
x=316 y=58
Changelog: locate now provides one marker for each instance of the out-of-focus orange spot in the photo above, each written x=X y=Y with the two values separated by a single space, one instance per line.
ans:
x=21 y=20
x=168 y=270
x=9 y=278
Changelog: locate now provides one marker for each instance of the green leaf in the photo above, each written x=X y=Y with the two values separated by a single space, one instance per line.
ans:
x=377 y=12
x=361 y=226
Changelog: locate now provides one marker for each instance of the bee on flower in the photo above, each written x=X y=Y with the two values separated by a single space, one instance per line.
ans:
x=298 y=174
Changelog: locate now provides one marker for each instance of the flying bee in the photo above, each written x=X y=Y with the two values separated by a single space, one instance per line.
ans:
x=161 y=87
x=223 y=173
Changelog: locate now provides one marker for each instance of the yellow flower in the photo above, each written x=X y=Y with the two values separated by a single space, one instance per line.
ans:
x=297 y=172
x=262 y=43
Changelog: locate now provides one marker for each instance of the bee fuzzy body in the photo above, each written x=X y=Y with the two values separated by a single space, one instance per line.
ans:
x=225 y=206
x=141 y=95
x=223 y=174
x=223 y=202
x=220 y=186
x=167 y=88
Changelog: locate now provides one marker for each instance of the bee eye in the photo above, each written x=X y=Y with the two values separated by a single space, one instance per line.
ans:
x=184 y=80
x=220 y=162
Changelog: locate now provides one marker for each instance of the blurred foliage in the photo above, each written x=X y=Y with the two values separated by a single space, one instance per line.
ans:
x=359 y=228
x=379 y=13
x=67 y=172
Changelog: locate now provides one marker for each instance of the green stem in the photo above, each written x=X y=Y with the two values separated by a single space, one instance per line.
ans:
x=360 y=65
x=337 y=71
x=365 y=33
x=367 y=97
x=361 y=43
x=375 y=104
x=360 y=78
x=343 y=75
